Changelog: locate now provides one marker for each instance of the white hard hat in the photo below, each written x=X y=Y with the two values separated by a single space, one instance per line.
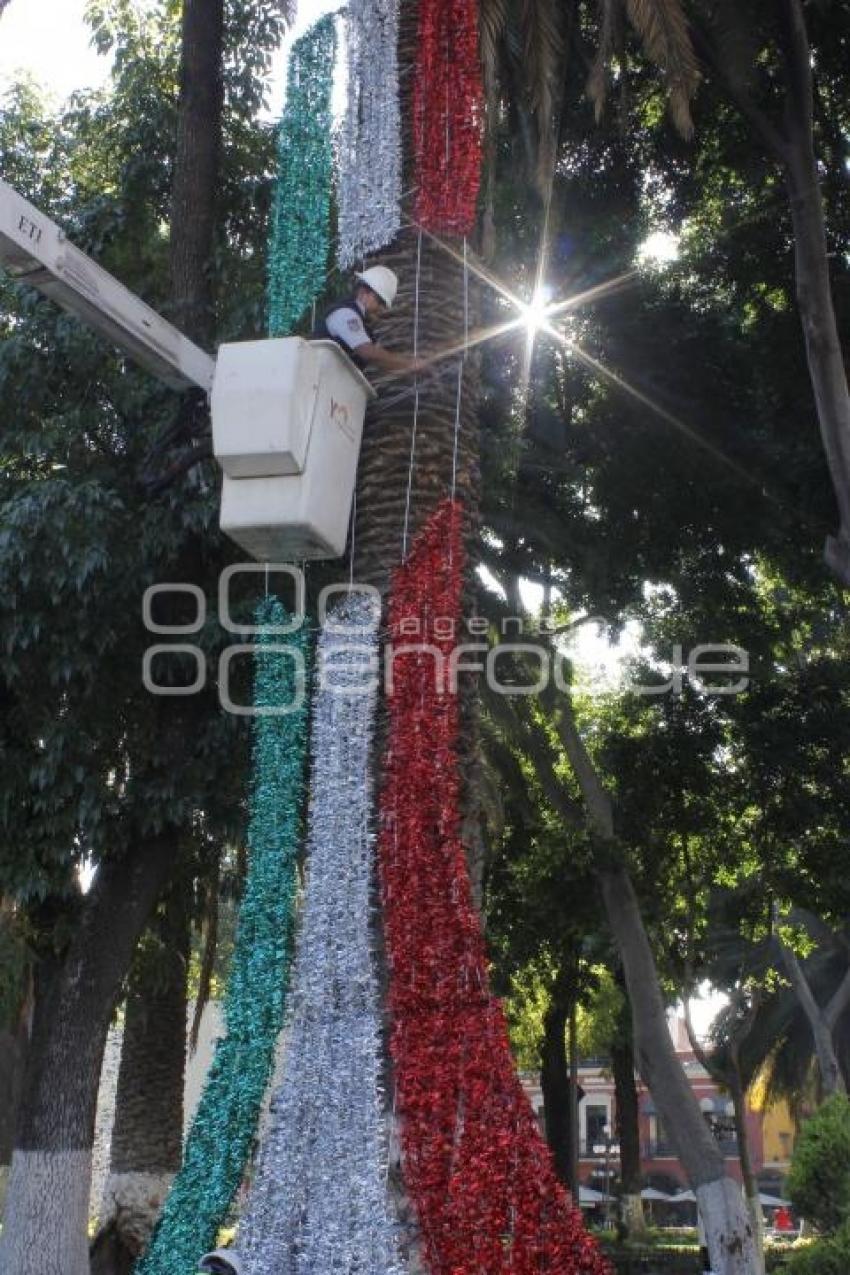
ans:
x=381 y=280
x=221 y=1258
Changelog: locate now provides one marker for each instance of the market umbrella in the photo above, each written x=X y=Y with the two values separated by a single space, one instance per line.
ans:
x=587 y=1197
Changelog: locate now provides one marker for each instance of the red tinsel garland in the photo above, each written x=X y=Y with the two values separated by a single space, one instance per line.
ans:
x=477 y=1169
x=447 y=116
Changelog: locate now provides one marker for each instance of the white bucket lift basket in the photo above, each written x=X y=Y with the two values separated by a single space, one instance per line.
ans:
x=287 y=419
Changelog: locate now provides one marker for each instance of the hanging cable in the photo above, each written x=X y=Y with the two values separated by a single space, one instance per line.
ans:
x=353 y=539
x=460 y=365
x=415 y=397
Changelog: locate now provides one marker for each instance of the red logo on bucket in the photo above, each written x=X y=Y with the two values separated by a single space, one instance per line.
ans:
x=340 y=417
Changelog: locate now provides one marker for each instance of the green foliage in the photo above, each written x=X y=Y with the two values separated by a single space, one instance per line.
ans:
x=829 y=1256
x=819 y=1181
x=526 y=1004
x=600 y=1015
x=90 y=762
x=692 y=509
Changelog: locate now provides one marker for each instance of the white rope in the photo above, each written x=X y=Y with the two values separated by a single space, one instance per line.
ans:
x=415 y=398
x=461 y=362
x=353 y=538
x=457 y=424
x=465 y=298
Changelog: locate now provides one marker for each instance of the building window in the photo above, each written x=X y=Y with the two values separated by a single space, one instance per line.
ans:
x=597 y=1125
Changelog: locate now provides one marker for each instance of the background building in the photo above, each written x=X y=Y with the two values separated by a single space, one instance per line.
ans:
x=770 y=1133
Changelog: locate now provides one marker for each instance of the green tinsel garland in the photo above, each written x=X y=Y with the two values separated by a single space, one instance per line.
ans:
x=219 y=1141
x=300 y=227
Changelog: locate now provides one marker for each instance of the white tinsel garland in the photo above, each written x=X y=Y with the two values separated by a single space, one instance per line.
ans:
x=370 y=145
x=319 y=1200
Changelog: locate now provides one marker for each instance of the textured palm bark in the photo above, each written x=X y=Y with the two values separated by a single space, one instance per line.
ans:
x=147 y=1142
x=46 y=1218
x=384 y=504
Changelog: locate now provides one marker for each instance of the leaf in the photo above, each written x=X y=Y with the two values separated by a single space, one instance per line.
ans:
x=597 y=80
x=663 y=29
x=492 y=21
x=543 y=46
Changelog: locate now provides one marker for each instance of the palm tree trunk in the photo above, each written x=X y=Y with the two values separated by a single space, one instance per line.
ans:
x=417 y=423
x=393 y=499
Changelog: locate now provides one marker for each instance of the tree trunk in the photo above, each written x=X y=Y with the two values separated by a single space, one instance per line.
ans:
x=821 y=1021
x=13 y=1047
x=820 y=329
x=194 y=196
x=730 y=1078
x=728 y=1230
x=555 y=1083
x=628 y=1132
x=751 y=1186
x=45 y=1231
x=45 y=1225
x=574 y=1181
x=147 y=1141
x=405 y=472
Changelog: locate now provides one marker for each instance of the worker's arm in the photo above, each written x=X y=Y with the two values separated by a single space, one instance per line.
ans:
x=388 y=360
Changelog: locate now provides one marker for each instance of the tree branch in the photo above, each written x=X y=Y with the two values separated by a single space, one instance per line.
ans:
x=838 y=1002
x=532 y=739
x=186 y=461
x=741 y=98
x=597 y=799
x=799 y=981
x=797 y=55
x=699 y=1053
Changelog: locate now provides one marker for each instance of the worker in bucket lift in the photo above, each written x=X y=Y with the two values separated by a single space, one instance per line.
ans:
x=349 y=323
